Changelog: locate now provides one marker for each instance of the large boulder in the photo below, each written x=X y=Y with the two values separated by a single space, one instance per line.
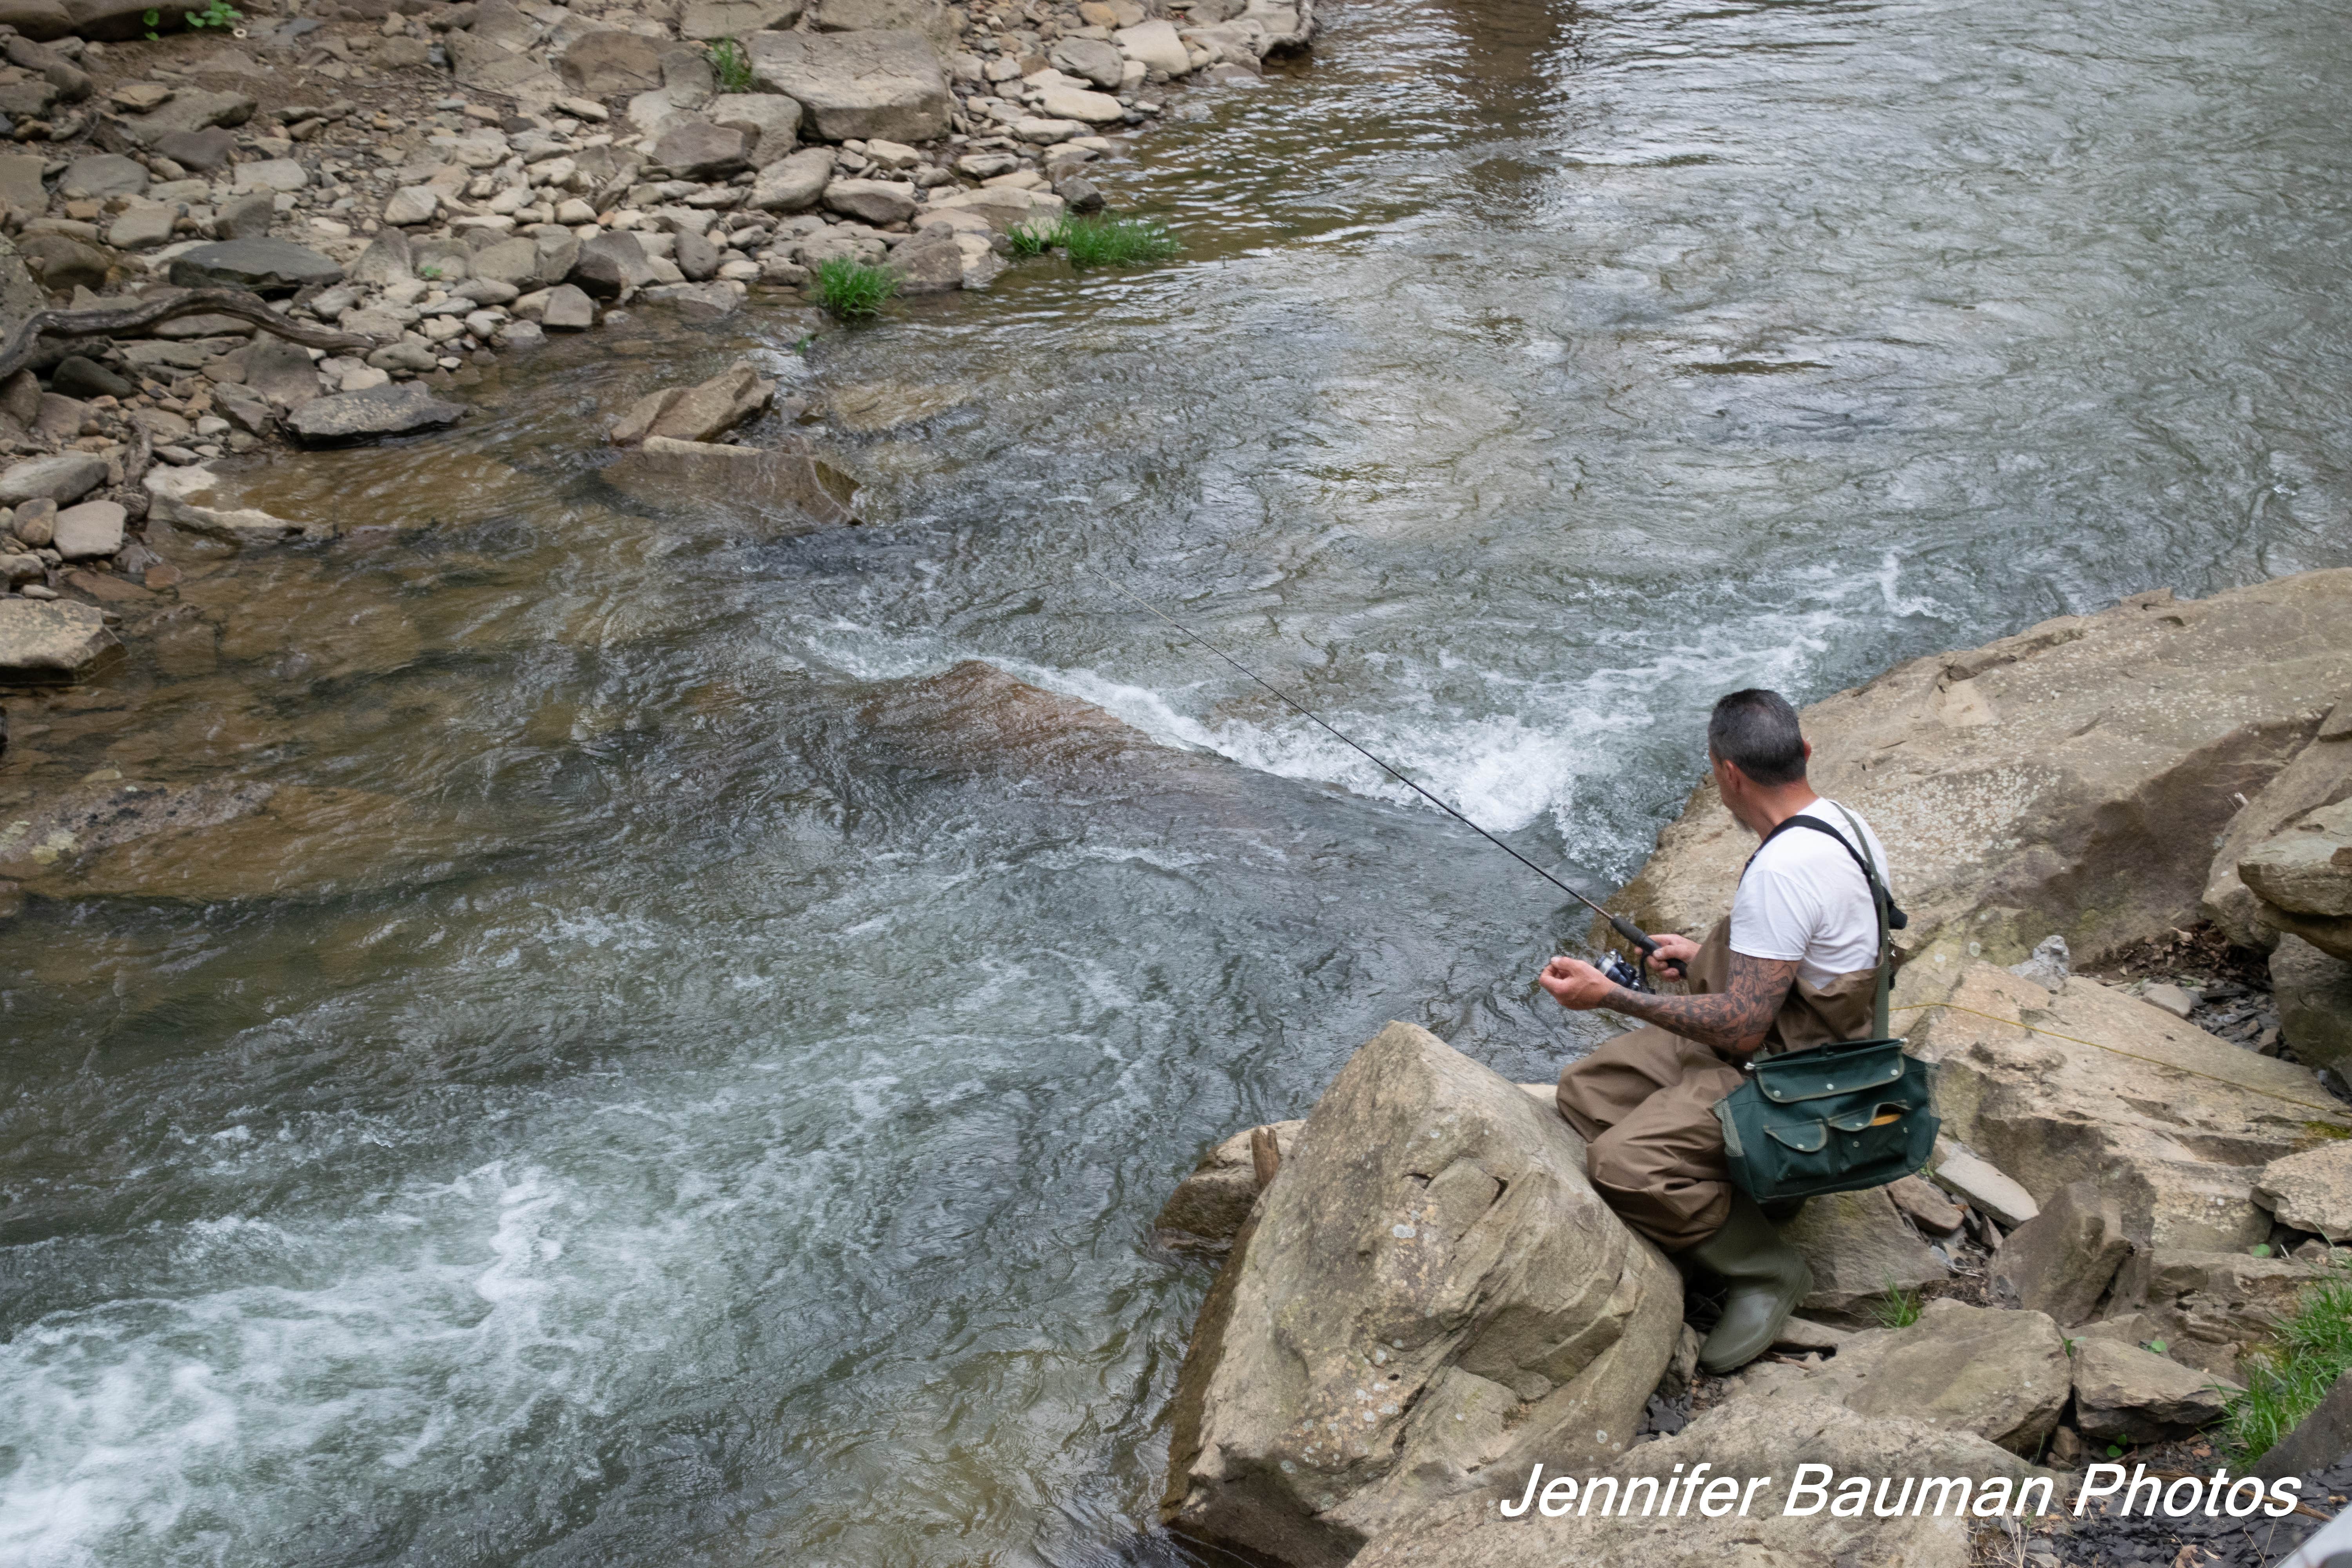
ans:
x=2000 y=1374
x=1756 y=1441
x=695 y=413
x=2072 y=778
x=2126 y=1394
x=788 y=487
x=54 y=641
x=2088 y=1083
x=2063 y=1259
x=264 y=266
x=887 y=83
x=1430 y=1294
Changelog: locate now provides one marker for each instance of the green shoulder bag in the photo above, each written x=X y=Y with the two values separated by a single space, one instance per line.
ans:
x=1840 y=1117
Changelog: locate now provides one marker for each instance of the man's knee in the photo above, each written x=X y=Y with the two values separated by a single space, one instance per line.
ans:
x=1615 y=1163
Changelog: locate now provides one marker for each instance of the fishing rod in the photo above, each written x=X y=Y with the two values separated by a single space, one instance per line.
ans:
x=1631 y=976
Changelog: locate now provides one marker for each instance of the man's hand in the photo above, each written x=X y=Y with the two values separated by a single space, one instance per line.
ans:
x=1732 y=1020
x=1671 y=949
x=1577 y=986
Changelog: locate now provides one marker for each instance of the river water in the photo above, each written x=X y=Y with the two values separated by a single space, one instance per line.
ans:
x=684 y=1071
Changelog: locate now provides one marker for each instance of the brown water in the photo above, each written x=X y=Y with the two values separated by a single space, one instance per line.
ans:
x=675 y=1070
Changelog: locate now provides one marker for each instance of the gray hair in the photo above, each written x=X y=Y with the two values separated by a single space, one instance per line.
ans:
x=1757 y=730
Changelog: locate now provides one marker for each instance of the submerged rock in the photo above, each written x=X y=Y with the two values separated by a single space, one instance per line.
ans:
x=184 y=497
x=58 y=640
x=788 y=481
x=1209 y=1207
x=398 y=408
x=871 y=407
x=1430 y=1294
x=695 y=413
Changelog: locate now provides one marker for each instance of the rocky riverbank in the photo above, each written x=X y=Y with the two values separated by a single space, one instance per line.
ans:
x=1421 y=1299
x=424 y=186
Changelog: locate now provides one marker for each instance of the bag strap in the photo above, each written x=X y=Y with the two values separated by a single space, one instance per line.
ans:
x=1882 y=902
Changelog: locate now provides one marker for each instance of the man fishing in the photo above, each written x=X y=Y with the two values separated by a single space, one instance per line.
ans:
x=1795 y=965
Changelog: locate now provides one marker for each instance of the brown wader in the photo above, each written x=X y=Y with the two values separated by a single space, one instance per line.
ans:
x=1645 y=1102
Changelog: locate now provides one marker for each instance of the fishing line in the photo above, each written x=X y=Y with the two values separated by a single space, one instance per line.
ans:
x=1619 y=923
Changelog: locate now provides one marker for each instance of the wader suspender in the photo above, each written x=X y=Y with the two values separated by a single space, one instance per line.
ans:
x=1882 y=902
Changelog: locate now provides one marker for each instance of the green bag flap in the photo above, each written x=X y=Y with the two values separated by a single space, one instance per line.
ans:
x=1805 y=1137
x=1846 y=1068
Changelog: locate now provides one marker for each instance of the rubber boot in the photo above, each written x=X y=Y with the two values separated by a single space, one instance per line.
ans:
x=1768 y=1279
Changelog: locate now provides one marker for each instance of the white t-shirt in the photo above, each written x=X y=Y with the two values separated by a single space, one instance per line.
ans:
x=1805 y=899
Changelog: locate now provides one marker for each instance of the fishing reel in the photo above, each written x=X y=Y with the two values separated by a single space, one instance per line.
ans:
x=1618 y=972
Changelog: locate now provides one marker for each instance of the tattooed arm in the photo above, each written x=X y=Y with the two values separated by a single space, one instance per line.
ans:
x=1734 y=1019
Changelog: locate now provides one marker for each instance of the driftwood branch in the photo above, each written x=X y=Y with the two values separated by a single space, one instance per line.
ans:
x=17 y=352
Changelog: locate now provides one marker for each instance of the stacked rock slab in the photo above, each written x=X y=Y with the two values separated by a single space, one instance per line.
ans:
x=2088 y=1083
x=2071 y=778
x=1429 y=1294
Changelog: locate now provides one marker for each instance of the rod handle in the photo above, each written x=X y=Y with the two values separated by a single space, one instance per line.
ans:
x=1648 y=946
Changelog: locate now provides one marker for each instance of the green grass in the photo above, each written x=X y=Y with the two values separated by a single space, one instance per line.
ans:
x=733 y=65
x=2287 y=1377
x=853 y=291
x=1101 y=241
x=1028 y=240
x=1107 y=241
x=1898 y=1309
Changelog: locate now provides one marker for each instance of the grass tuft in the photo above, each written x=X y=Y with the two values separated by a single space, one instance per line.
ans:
x=1101 y=241
x=2286 y=1378
x=853 y=291
x=732 y=65
x=1108 y=241
x=1898 y=1309
x=1026 y=239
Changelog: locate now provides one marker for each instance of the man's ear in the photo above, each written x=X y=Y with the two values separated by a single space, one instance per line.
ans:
x=1809 y=747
